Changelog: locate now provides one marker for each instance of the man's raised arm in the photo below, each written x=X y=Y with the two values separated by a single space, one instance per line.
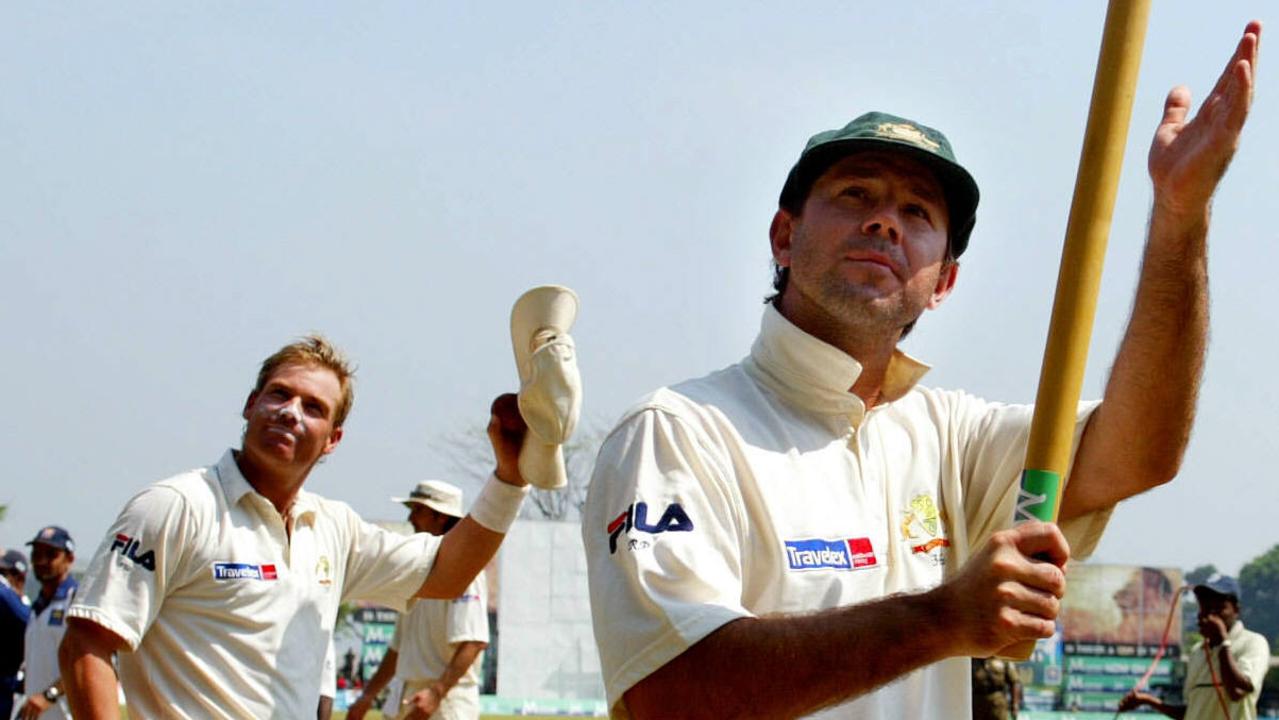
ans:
x=1138 y=436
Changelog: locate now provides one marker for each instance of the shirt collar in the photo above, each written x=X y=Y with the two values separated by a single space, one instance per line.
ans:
x=235 y=487
x=65 y=589
x=818 y=375
x=1235 y=633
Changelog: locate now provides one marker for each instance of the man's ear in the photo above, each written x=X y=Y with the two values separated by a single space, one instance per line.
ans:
x=945 y=283
x=779 y=236
x=334 y=438
x=248 y=403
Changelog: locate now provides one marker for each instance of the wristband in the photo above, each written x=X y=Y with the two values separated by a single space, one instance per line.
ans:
x=498 y=504
x=1224 y=643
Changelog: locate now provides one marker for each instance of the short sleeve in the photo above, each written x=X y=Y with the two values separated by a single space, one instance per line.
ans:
x=993 y=441
x=385 y=567
x=468 y=619
x=137 y=564
x=663 y=535
x=1254 y=660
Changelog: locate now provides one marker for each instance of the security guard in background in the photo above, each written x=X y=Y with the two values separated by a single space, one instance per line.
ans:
x=996 y=689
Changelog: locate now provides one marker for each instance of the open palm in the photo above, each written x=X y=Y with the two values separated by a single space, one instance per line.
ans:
x=1188 y=158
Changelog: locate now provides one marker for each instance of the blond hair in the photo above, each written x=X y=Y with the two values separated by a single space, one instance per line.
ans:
x=314 y=350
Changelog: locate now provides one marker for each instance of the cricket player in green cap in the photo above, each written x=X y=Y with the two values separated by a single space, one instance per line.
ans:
x=811 y=532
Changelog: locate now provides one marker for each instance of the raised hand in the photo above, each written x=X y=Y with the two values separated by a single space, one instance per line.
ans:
x=1188 y=158
x=506 y=431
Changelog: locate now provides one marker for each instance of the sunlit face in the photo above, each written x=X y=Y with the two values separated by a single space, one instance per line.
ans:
x=427 y=520
x=290 y=421
x=50 y=563
x=870 y=244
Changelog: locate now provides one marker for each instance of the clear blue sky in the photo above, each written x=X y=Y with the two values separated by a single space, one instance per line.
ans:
x=188 y=186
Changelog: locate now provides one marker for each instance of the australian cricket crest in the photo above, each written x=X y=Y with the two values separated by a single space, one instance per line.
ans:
x=923 y=528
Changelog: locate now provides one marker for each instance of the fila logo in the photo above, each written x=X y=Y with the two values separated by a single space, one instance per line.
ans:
x=673 y=519
x=816 y=554
x=243 y=571
x=128 y=548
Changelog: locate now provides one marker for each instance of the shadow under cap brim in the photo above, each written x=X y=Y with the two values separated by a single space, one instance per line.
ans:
x=959 y=187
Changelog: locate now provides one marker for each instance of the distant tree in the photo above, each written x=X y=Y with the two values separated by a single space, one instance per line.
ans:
x=3 y=510
x=470 y=455
x=1199 y=574
x=1259 y=590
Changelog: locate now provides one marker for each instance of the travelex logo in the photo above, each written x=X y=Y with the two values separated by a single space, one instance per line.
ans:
x=127 y=547
x=816 y=554
x=673 y=519
x=243 y=571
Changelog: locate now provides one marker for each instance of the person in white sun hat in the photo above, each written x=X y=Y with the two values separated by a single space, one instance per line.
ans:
x=438 y=648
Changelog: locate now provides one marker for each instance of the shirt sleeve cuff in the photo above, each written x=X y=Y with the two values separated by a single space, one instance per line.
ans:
x=98 y=617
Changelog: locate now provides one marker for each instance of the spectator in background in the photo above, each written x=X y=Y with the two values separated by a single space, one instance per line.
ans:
x=438 y=644
x=1233 y=656
x=13 y=625
x=13 y=573
x=52 y=555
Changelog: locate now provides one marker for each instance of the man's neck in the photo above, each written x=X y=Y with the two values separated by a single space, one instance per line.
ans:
x=49 y=588
x=872 y=350
x=280 y=488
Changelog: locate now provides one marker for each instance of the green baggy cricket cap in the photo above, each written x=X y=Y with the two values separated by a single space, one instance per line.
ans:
x=877 y=130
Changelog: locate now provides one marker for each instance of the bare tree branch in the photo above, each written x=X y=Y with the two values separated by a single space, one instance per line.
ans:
x=469 y=455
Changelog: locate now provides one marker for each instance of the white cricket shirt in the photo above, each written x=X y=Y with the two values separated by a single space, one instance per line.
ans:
x=226 y=616
x=425 y=636
x=768 y=488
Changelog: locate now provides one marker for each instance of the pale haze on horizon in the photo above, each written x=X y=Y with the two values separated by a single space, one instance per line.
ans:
x=187 y=187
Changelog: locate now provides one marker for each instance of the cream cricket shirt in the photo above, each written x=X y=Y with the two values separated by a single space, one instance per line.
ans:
x=225 y=616
x=1251 y=654
x=768 y=488
x=425 y=635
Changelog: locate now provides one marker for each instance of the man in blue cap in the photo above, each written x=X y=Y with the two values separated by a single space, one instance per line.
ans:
x=14 y=613
x=1225 y=669
x=13 y=572
x=52 y=555
x=811 y=531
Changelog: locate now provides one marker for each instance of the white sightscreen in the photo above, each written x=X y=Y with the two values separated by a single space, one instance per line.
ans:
x=545 y=645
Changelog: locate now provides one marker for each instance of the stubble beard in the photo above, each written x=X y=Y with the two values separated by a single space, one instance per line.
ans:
x=863 y=310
